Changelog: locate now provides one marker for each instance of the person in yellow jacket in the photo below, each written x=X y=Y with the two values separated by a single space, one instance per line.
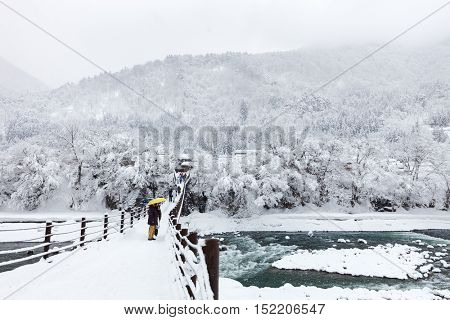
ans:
x=154 y=215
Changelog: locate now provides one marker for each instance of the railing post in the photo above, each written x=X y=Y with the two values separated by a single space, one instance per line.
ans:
x=105 y=227
x=194 y=279
x=190 y=292
x=178 y=228
x=122 y=221
x=48 y=236
x=184 y=233
x=193 y=238
x=83 y=231
x=211 y=252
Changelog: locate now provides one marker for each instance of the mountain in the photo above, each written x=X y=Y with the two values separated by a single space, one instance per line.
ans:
x=215 y=86
x=15 y=81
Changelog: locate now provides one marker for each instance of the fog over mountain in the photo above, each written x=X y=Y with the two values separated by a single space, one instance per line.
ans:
x=213 y=87
x=14 y=81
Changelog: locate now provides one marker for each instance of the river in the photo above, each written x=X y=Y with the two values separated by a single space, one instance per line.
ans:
x=247 y=258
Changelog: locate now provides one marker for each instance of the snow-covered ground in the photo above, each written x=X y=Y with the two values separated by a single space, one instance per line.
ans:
x=293 y=220
x=231 y=289
x=390 y=261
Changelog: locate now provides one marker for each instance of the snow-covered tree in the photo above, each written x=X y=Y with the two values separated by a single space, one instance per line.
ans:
x=229 y=194
x=441 y=167
x=37 y=179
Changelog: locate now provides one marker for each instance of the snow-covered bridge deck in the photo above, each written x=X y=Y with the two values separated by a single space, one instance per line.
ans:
x=127 y=266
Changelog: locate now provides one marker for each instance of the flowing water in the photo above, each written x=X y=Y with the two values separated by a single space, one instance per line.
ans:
x=247 y=258
x=5 y=246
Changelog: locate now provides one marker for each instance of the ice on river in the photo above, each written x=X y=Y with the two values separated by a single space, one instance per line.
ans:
x=389 y=261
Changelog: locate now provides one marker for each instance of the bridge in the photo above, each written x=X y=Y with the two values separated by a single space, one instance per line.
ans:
x=111 y=258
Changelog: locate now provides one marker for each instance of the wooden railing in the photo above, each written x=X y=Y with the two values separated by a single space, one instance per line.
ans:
x=196 y=261
x=79 y=233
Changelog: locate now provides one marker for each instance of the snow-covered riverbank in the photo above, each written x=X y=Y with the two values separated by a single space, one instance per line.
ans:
x=231 y=290
x=304 y=220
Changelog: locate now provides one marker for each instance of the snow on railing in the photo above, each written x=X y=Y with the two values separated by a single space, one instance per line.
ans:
x=102 y=229
x=196 y=262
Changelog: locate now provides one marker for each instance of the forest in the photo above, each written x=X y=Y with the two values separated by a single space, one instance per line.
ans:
x=376 y=138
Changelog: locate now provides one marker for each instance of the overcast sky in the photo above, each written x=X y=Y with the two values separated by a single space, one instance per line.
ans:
x=118 y=33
